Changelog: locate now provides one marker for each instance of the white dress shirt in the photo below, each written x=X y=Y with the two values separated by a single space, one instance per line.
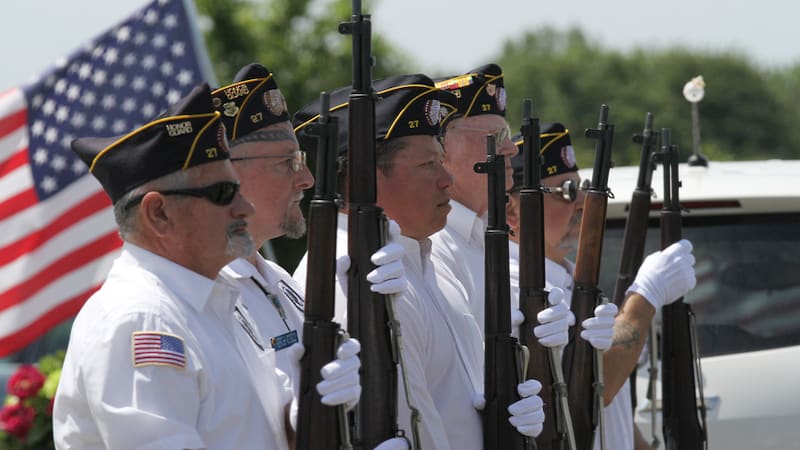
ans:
x=275 y=302
x=224 y=393
x=442 y=348
x=458 y=251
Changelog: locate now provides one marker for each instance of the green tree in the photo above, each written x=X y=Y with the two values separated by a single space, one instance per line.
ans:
x=745 y=114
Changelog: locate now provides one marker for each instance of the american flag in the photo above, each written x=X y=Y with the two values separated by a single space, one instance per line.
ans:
x=154 y=348
x=57 y=232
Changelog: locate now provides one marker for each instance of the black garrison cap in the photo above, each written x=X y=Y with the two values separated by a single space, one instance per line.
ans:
x=188 y=134
x=558 y=156
x=479 y=91
x=406 y=105
x=253 y=101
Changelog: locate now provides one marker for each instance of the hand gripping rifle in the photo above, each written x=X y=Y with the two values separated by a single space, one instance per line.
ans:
x=684 y=421
x=504 y=363
x=545 y=363
x=633 y=243
x=321 y=335
x=583 y=365
x=367 y=317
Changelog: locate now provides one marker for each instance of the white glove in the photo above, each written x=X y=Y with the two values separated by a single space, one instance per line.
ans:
x=666 y=275
x=516 y=318
x=389 y=277
x=555 y=321
x=527 y=415
x=599 y=330
x=340 y=383
x=393 y=444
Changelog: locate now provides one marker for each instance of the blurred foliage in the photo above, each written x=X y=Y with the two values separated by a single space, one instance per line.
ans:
x=748 y=112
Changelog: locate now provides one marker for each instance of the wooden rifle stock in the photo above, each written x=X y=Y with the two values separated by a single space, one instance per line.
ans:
x=544 y=364
x=683 y=419
x=635 y=234
x=376 y=414
x=502 y=367
x=581 y=363
x=319 y=426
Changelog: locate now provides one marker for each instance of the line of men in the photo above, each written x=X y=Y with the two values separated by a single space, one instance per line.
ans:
x=193 y=340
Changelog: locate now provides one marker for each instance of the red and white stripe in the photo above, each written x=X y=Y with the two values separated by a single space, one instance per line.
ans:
x=53 y=254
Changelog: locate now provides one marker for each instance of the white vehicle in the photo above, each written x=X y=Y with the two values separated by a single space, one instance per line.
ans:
x=743 y=219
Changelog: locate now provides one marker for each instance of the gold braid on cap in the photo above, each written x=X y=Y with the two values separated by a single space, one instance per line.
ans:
x=214 y=116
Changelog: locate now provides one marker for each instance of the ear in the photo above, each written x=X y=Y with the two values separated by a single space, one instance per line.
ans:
x=154 y=213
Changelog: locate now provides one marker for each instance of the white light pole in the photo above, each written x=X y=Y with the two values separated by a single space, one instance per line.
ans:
x=694 y=91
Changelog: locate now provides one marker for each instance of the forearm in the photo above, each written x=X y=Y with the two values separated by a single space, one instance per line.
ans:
x=630 y=333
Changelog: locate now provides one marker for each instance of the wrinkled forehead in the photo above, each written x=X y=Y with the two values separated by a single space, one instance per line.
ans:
x=487 y=121
x=279 y=134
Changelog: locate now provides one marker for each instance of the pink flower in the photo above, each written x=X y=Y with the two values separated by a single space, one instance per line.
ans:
x=17 y=420
x=25 y=382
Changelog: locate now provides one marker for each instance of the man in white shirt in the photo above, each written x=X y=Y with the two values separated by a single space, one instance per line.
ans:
x=442 y=346
x=165 y=355
x=273 y=175
x=666 y=276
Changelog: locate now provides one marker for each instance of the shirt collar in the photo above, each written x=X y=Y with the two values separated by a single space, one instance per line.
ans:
x=187 y=285
x=417 y=253
x=466 y=222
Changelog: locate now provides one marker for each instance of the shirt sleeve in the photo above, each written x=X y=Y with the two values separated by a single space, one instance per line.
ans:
x=149 y=406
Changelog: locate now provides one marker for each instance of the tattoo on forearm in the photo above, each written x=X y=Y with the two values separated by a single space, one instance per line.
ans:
x=626 y=335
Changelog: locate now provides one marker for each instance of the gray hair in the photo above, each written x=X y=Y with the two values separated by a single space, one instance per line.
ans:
x=126 y=217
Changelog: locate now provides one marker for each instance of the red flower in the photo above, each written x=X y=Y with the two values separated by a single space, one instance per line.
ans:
x=17 y=420
x=25 y=382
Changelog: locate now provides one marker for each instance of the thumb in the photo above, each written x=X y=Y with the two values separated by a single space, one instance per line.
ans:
x=342 y=264
x=555 y=296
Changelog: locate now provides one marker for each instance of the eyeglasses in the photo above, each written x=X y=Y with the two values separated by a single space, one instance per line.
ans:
x=500 y=135
x=221 y=193
x=296 y=159
x=568 y=190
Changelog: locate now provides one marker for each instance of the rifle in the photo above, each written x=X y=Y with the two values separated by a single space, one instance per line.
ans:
x=503 y=365
x=320 y=426
x=684 y=421
x=634 y=237
x=376 y=414
x=545 y=363
x=582 y=363
x=636 y=223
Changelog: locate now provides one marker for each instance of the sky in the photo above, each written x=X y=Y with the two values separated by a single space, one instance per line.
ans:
x=452 y=36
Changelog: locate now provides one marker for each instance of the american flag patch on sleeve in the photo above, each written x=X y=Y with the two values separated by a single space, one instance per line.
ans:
x=153 y=348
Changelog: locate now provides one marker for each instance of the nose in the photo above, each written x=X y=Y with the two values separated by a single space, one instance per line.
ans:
x=242 y=207
x=303 y=178
x=445 y=178
x=508 y=148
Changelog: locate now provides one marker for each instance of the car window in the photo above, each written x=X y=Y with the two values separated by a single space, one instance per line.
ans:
x=748 y=292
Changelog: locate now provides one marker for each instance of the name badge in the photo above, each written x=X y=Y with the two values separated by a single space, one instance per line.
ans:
x=282 y=341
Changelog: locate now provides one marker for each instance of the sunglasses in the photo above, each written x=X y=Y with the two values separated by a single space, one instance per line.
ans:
x=297 y=159
x=568 y=191
x=500 y=135
x=221 y=193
